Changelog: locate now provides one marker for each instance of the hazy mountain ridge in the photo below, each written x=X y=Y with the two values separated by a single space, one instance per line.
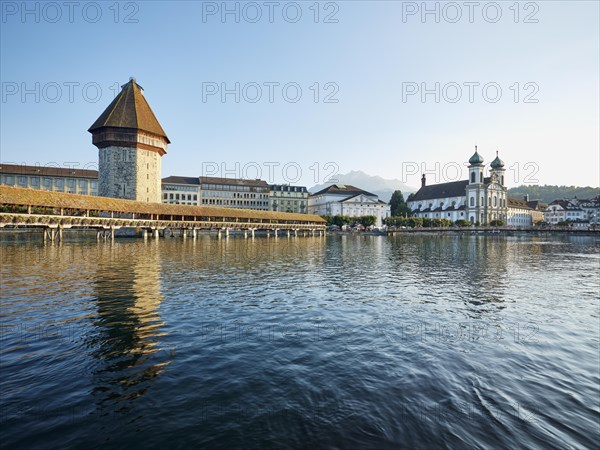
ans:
x=384 y=188
x=548 y=193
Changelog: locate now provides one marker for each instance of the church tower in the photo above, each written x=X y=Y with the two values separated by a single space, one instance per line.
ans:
x=475 y=195
x=130 y=144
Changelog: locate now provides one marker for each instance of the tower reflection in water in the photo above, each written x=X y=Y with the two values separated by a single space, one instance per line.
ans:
x=127 y=343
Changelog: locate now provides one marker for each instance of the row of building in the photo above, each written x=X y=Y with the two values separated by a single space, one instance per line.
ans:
x=212 y=191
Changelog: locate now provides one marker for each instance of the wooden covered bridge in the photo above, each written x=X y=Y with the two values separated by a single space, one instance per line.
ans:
x=55 y=211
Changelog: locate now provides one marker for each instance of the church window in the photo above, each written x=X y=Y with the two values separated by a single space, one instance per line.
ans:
x=472 y=201
x=481 y=177
x=494 y=201
x=472 y=177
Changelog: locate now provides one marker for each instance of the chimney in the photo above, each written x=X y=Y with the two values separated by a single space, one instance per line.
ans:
x=423 y=181
x=526 y=198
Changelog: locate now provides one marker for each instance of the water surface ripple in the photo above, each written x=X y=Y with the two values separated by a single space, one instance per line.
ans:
x=337 y=342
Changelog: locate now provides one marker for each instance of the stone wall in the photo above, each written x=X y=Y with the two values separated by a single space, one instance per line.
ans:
x=149 y=171
x=129 y=173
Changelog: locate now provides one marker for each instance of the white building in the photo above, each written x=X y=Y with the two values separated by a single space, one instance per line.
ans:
x=286 y=198
x=213 y=191
x=56 y=179
x=573 y=211
x=590 y=208
x=478 y=199
x=346 y=200
x=519 y=214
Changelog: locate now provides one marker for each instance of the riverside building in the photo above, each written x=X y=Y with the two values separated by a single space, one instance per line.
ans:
x=479 y=199
x=55 y=179
x=347 y=200
x=213 y=191
x=286 y=198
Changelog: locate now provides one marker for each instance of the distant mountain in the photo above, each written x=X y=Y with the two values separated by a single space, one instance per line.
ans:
x=548 y=193
x=371 y=183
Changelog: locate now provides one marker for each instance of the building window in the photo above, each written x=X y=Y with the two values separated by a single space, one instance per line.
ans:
x=59 y=182
x=82 y=184
x=472 y=177
x=35 y=181
x=472 y=201
x=71 y=182
x=22 y=180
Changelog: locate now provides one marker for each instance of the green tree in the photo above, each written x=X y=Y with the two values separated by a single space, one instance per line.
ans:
x=398 y=205
x=367 y=221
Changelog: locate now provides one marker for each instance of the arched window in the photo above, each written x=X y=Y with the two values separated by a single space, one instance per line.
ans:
x=472 y=177
x=481 y=177
x=494 y=201
x=472 y=201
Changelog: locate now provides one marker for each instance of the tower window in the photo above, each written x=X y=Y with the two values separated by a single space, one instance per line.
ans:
x=472 y=177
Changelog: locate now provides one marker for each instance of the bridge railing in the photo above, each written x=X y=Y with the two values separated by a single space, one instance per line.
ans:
x=69 y=221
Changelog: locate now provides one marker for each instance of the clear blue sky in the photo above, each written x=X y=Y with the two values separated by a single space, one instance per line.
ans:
x=370 y=54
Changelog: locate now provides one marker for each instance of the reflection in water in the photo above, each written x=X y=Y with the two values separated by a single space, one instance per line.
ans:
x=417 y=341
x=126 y=342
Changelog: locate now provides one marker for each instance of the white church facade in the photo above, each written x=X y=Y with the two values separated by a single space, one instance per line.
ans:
x=479 y=199
x=346 y=200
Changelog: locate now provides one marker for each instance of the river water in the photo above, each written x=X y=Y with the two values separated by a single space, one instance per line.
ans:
x=331 y=342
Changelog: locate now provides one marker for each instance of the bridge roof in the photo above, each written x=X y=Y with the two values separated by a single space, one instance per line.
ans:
x=32 y=197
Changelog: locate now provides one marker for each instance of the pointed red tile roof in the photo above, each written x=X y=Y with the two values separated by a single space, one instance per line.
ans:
x=130 y=109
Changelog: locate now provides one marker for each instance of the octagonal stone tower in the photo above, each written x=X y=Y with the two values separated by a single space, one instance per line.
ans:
x=130 y=144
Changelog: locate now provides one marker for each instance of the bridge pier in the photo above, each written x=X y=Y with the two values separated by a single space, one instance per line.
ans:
x=156 y=233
